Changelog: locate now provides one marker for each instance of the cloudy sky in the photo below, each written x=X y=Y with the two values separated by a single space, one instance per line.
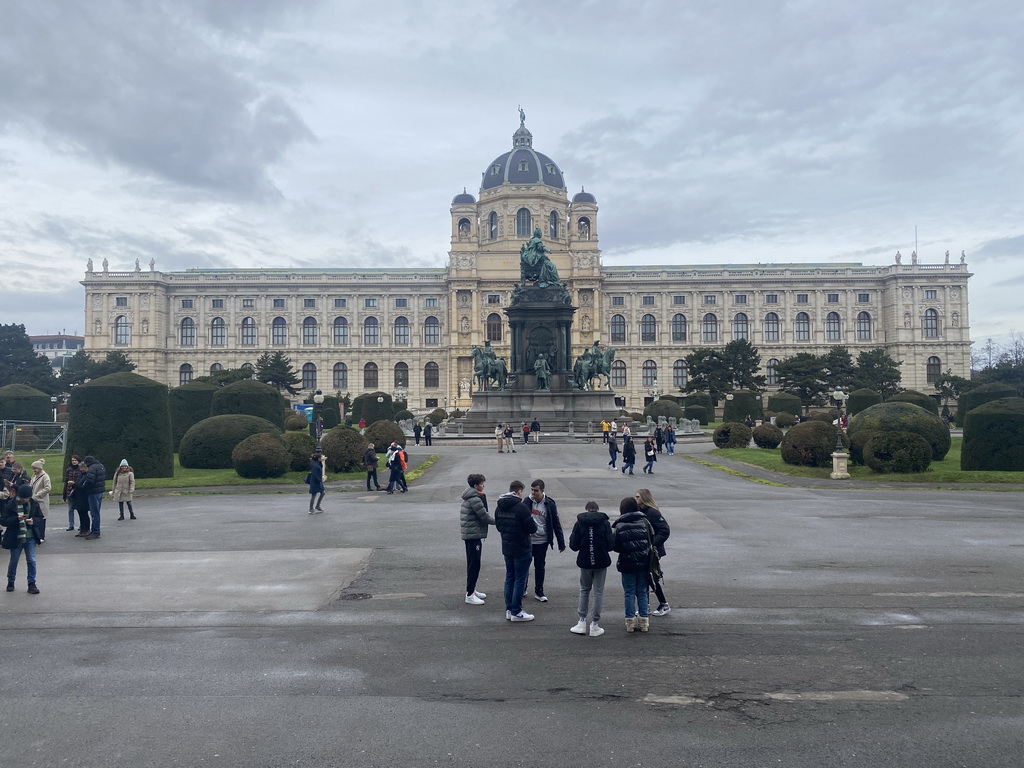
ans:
x=221 y=133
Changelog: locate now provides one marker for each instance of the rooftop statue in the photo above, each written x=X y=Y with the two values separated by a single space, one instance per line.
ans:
x=534 y=264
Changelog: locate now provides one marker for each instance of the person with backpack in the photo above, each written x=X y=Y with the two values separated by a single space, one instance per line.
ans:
x=592 y=537
x=526 y=433
x=628 y=455
x=633 y=543
x=397 y=462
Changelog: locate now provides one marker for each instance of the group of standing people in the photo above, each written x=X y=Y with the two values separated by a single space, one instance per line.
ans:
x=426 y=430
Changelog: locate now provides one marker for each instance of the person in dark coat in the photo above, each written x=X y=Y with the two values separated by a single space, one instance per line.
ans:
x=473 y=522
x=18 y=516
x=316 y=482
x=428 y=433
x=535 y=430
x=71 y=474
x=514 y=520
x=650 y=456
x=93 y=483
x=370 y=461
x=633 y=543
x=592 y=537
x=613 y=449
x=417 y=430
x=549 y=528
x=628 y=454
x=659 y=437
x=661 y=530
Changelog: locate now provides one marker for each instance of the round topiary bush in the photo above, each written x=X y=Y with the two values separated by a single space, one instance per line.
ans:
x=986 y=393
x=296 y=422
x=745 y=403
x=784 y=419
x=994 y=436
x=698 y=412
x=785 y=402
x=670 y=398
x=208 y=444
x=904 y=417
x=253 y=398
x=810 y=444
x=897 y=452
x=330 y=411
x=403 y=415
x=437 y=415
x=703 y=399
x=260 y=455
x=663 y=408
x=366 y=408
x=825 y=416
x=20 y=402
x=122 y=416
x=860 y=399
x=300 y=447
x=190 y=403
x=383 y=433
x=857 y=442
x=767 y=436
x=930 y=404
x=27 y=441
x=732 y=434
x=343 y=449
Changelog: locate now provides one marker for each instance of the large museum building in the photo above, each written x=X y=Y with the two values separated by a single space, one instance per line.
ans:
x=410 y=331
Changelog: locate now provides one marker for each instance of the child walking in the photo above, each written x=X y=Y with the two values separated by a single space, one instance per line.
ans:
x=633 y=543
x=592 y=537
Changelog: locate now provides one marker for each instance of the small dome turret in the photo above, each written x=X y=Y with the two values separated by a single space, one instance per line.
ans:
x=583 y=197
x=463 y=198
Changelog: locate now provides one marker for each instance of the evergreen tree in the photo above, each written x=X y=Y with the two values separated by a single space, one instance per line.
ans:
x=225 y=377
x=114 y=362
x=804 y=376
x=837 y=368
x=709 y=371
x=19 y=363
x=275 y=369
x=77 y=370
x=878 y=371
x=744 y=361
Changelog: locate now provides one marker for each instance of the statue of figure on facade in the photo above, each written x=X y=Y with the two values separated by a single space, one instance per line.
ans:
x=899 y=257
x=543 y=371
x=486 y=367
x=88 y=266
x=534 y=264
x=138 y=267
x=599 y=364
x=152 y=265
x=963 y=257
x=106 y=265
x=522 y=116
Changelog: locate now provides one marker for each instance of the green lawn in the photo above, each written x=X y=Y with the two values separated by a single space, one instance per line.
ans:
x=945 y=471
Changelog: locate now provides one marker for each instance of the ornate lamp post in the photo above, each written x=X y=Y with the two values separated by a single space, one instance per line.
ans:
x=318 y=417
x=840 y=459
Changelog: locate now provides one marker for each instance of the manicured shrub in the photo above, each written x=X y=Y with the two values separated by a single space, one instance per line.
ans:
x=208 y=444
x=27 y=441
x=330 y=411
x=904 y=417
x=383 y=433
x=732 y=434
x=296 y=422
x=457 y=414
x=860 y=399
x=663 y=408
x=785 y=402
x=437 y=415
x=300 y=447
x=810 y=444
x=703 y=399
x=403 y=415
x=366 y=408
x=670 y=398
x=20 y=402
x=857 y=441
x=190 y=403
x=122 y=416
x=698 y=412
x=897 y=452
x=930 y=404
x=343 y=449
x=767 y=435
x=784 y=419
x=253 y=398
x=994 y=436
x=260 y=455
x=744 y=403
x=986 y=393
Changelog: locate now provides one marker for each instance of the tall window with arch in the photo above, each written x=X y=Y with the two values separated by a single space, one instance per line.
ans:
x=618 y=373
x=279 y=332
x=184 y=374
x=215 y=368
x=617 y=329
x=188 y=332
x=492 y=226
x=122 y=330
x=339 y=332
x=802 y=327
x=680 y=374
x=310 y=332
x=931 y=324
x=933 y=369
x=218 y=332
x=402 y=375
x=370 y=376
x=863 y=327
x=679 y=328
x=524 y=223
x=251 y=369
x=431 y=376
x=740 y=327
x=308 y=376
x=402 y=331
x=709 y=328
x=648 y=373
x=583 y=228
x=431 y=331
x=494 y=327
x=648 y=328
x=371 y=332
x=833 y=327
x=771 y=374
x=248 y=332
x=553 y=225
x=340 y=376
x=771 y=327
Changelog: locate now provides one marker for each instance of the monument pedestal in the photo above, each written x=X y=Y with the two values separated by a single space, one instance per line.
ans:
x=554 y=410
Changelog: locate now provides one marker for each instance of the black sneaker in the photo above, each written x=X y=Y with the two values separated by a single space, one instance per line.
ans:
x=33 y=589
x=10 y=586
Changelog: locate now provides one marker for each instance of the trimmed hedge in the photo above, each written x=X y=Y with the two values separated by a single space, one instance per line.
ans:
x=767 y=436
x=703 y=399
x=366 y=407
x=343 y=449
x=300 y=447
x=785 y=402
x=904 y=417
x=190 y=403
x=253 y=398
x=260 y=455
x=208 y=444
x=437 y=415
x=811 y=444
x=330 y=410
x=122 y=416
x=986 y=393
x=666 y=408
x=824 y=416
x=860 y=399
x=744 y=403
x=403 y=415
x=296 y=422
x=785 y=419
x=383 y=433
x=698 y=412
x=732 y=434
x=930 y=404
x=994 y=436
x=20 y=402
x=901 y=452
x=857 y=442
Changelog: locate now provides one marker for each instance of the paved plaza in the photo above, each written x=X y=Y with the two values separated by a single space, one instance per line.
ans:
x=811 y=627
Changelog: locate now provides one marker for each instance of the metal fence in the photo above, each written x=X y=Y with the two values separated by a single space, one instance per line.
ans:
x=33 y=436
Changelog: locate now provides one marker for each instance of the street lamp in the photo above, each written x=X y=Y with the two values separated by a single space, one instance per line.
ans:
x=840 y=459
x=318 y=419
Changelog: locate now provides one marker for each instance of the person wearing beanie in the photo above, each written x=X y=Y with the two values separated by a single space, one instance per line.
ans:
x=18 y=515
x=123 y=488
x=40 y=483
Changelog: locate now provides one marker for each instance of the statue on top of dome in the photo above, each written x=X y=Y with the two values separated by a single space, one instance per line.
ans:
x=534 y=264
x=522 y=116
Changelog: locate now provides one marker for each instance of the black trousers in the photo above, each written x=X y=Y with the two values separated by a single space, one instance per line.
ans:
x=474 y=550
x=371 y=474
x=540 y=553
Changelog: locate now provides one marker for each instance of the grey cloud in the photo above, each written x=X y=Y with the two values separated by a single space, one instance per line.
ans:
x=998 y=249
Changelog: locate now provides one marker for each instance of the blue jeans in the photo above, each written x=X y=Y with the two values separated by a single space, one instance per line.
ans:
x=71 y=514
x=30 y=557
x=517 y=571
x=95 y=500
x=635 y=587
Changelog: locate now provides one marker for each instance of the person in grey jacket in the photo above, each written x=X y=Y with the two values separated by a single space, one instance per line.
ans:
x=473 y=520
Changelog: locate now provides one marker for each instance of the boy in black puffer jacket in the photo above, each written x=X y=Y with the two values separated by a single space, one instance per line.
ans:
x=633 y=543
x=514 y=520
x=592 y=537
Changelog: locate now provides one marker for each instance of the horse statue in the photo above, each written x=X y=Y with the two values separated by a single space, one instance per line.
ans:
x=487 y=370
x=599 y=364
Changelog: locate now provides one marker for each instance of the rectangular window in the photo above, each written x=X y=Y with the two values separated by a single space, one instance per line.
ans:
x=370 y=303
x=121 y=301
x=771 y=298
x=248 y=303
x=493 y=298
x=431 y=303
x=678 y=300
x=801 y=298
x=309 y=303
x=618 y=301
x=710 y=299
x=401 y=303
x=186 y=304
x=218 y=303
x=863 y=298
x=648 y=301
x=931 y=293
x=832 y=298
x=278 y=303
x=340 y=303
x=430 y=402
x=740 y=298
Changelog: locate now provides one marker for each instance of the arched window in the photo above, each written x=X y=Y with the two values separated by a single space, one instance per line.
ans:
x=680 y=374
x=740 y=326
x=188 y=332
x=618 y=329
x=771 y=327
x=309 y=376
x=310 y=331
x=184 y=374
x=370 y=376
x=709 y=328
x=833 y=327
x=492 y=226
x=618 y=373
x=218 y=332
x=583 y=228
x=933 y=369
x=649 y=373
x=494 y=326
x=250 y=368
x=340 y=376
x=402 y=375
x=215 y=368
x=863 y=327
x=464 y=228
x=431 y=331
x=648 y=328
x=248 y=332
x=371 y=332
x=524 y=223
x=802 y=327
x=402 y=331
x=122 y=330
x=771 y=376
x=679 y=328
x=340 y=332
x=931 y=324
x=553 y=225
x=431 y=376
x=279 y=332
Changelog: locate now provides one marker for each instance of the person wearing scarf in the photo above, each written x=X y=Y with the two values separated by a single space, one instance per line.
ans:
x=18 y=518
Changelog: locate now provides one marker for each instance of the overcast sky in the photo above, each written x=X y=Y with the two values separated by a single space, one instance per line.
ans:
x=241 y=133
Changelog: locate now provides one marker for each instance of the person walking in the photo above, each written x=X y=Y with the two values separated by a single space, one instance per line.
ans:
x=549 y=528
x=661 y=532
x=396 y=461
x=316 y=482
x=593 y=539
x=499 y=435
x=650 y=456
x=474 y=520
x=71 y=474
x=613 y=450
x=93 y=483
x=632 y=542
x=526 y=434
x=670 y=440
x=510 y=439
x=370 y=461
x=628 y=455
x=514 y=520
x=535 y=430
x=18 y=517
x=417 y=430
x=659 y=437
x=428 y=433
x=122 y=489
x=41 y=488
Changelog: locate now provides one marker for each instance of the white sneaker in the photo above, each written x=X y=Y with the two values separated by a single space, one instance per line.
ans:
x=522 y=616
x=481 y=595
x=580 y=628
x=474 y=600
x=508 y=615
x=596 y=631
x=541 y=598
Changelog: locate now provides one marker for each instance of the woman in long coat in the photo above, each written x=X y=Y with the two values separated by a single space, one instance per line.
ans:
x=41 y=494
x=123 y=488
x=316 y=482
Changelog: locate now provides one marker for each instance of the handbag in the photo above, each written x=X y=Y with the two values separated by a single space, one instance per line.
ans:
x=654 y=563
